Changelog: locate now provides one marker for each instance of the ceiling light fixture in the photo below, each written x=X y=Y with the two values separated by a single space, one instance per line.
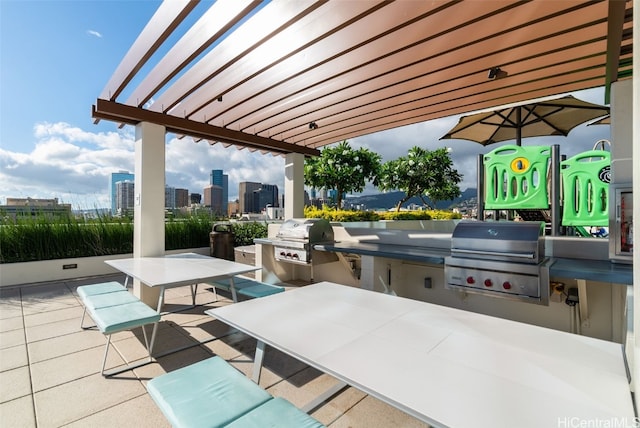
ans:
x=496 y=73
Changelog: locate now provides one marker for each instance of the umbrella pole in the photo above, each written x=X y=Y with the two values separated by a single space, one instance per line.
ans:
x=555 y=190
x=519 y=126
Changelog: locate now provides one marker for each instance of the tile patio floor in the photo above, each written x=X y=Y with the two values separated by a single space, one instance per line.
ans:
x=50 y=368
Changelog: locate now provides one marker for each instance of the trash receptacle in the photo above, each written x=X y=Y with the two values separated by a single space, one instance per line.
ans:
x=221 y=242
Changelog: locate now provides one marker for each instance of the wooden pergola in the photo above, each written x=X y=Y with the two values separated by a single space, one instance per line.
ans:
x=289 y=77
x=293 y=76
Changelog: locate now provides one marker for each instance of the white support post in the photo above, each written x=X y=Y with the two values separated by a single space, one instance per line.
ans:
x=148 y=227
x=294 y=186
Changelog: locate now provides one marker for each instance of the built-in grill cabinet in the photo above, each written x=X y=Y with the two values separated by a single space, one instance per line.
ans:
x=501 y=259
x=296 y=237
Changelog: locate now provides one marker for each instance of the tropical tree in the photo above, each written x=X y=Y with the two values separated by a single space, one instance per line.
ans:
x=343 y=169
x=421 y=173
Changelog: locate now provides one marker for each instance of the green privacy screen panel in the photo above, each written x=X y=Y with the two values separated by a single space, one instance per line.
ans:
x=585 y=188
x=516 y=177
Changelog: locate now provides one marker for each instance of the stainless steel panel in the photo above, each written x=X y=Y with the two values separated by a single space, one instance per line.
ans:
x=508 y=280
x=306 y=229
x=292 y=255
x=500 y=241
x=500 y=259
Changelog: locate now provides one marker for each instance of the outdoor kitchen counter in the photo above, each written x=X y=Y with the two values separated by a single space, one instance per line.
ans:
x=591 y=270
x=392 y=251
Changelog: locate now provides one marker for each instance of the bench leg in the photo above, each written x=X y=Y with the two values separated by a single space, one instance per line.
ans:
x=106 y=351
x=127 y=366
x=82 y=321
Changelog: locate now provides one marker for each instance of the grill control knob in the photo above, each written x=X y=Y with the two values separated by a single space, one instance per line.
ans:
x=470 y=280
x=506 y=285
x=296 y=256
x=283 y=254
x=488 y=283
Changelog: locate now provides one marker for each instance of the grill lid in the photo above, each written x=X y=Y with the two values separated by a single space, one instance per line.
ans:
x=312 y=230
x=501 y=241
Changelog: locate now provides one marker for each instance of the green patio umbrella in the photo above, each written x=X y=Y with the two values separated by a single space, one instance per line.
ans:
x=540 y=118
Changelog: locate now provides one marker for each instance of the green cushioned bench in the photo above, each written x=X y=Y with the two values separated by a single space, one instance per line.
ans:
x=212 y=393
x=247 y=287
x=115 y=309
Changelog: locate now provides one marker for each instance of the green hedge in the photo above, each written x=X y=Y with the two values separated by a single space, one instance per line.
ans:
x=347 y=216
x=45 y=238
x=245 y=232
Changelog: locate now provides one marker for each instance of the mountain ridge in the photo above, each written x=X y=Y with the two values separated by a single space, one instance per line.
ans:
x=390 y=200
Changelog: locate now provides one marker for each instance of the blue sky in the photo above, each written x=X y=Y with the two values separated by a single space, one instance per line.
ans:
x=57 y=56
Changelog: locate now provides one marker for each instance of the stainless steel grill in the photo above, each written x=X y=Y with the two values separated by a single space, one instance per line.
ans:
x=501 y=259
x=296 y=237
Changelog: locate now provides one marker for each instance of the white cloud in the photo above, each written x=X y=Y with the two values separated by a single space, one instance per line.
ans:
x=75 y=165
x=189 y=164
x=94 y=33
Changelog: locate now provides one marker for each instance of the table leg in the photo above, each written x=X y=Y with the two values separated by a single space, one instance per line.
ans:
x=257 y=362
x=161 y=300
x=324 y=397
x=234 y=295
x=194 y=291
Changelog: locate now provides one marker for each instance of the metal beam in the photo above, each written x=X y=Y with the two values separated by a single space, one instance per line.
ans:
x=117 y=112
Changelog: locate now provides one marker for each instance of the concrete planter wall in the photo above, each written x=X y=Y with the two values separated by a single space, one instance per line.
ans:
x=63 y=269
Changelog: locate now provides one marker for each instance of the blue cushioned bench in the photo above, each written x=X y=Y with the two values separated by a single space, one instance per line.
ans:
x=247 y=287
x=114 y=309
x=212 y=393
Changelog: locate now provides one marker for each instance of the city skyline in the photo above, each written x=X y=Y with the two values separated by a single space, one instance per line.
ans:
x=252 y=196
x=52 y=148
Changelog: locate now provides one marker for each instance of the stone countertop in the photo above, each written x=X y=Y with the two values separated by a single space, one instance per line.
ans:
x=592 y=270
x=391 y=251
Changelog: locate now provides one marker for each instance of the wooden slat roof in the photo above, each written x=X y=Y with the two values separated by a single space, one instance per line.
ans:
x=257 y=74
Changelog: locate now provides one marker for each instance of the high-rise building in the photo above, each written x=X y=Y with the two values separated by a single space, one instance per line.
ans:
x=234 y=208
x=33 y=207
x=182 y=198
x=245 y=196
x=169 y=197
x=213 y=199
x=195 y=198
x=125 y=191
x=115 y=177
x=266 y=195
x=219 y=178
